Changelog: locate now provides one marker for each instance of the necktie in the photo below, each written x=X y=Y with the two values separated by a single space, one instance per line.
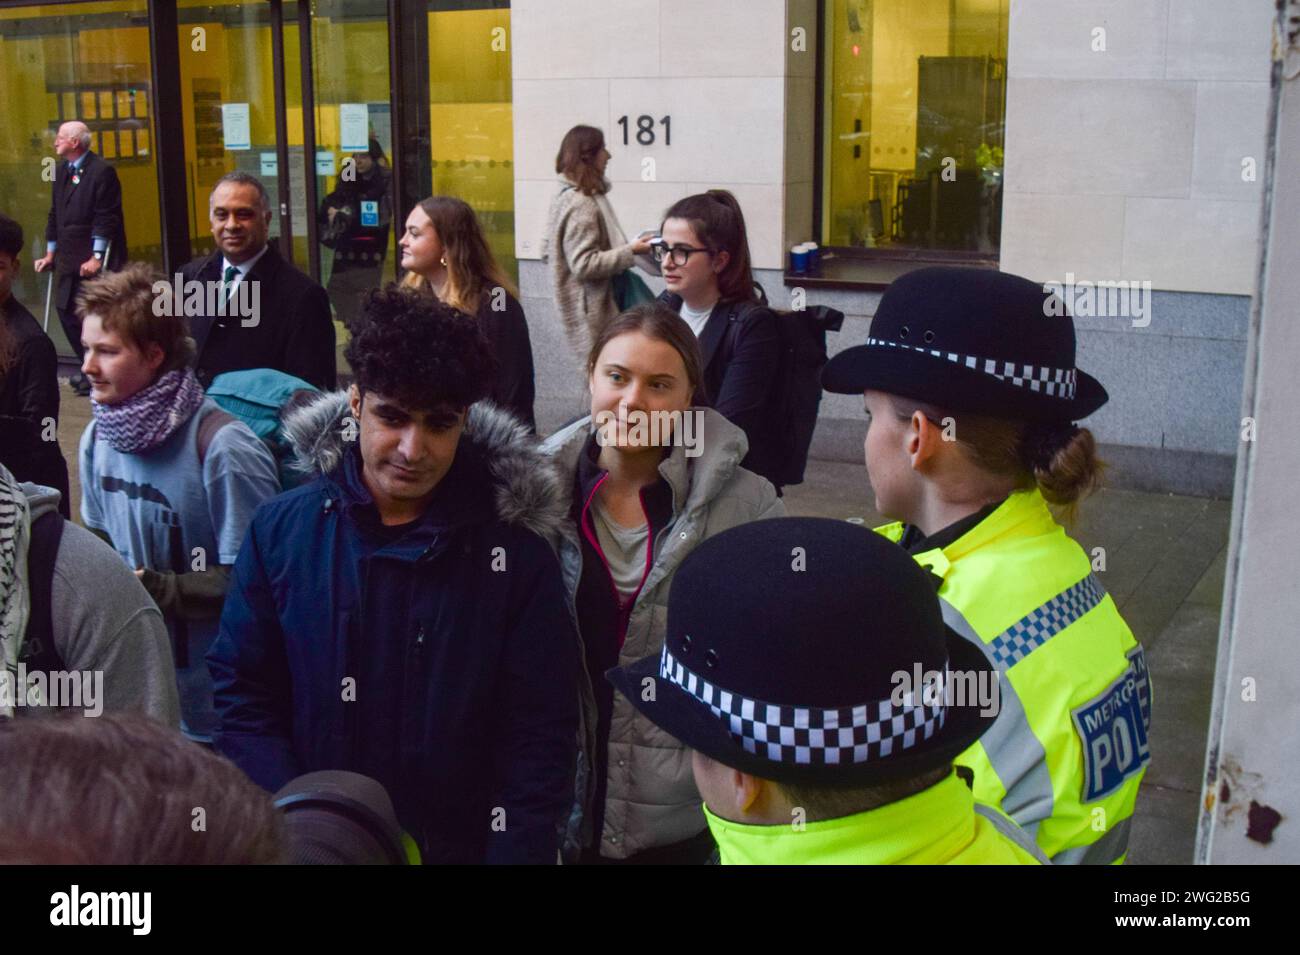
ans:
x=229 y=277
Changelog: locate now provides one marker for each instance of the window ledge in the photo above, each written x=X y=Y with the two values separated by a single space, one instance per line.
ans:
x=852 y=270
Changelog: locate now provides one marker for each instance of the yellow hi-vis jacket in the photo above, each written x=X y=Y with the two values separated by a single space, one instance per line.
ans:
x=941 y=825
x=1069 y=746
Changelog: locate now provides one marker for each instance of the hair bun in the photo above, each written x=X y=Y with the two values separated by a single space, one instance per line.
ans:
x=1040 y=443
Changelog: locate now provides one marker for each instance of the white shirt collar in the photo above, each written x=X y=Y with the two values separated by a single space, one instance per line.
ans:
x=245 y=266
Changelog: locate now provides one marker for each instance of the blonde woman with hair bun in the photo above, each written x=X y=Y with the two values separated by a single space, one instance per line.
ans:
x=972 y=393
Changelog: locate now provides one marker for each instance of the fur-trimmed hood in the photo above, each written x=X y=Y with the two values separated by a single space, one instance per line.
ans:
x=528 y=491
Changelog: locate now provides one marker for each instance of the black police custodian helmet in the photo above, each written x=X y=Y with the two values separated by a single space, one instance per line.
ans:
x=972 y=340
x=789 y=670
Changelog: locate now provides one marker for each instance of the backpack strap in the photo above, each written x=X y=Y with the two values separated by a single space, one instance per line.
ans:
x=212 y=422
x=38 y=651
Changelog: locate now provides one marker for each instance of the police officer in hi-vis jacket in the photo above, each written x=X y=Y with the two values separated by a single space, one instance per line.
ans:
x=971 y=391
x=824 y=700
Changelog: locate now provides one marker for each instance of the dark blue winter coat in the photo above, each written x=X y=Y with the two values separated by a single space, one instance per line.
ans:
x=444 y=664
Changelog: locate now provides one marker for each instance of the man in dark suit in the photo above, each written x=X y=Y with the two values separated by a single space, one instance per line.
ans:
x=282 y=320
x=85 y=225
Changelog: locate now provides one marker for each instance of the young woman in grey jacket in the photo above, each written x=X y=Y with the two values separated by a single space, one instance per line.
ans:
x=585 y=244
x=651 y=477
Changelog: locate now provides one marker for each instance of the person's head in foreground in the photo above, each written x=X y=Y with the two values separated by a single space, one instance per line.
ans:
x=789 y=682
x=130 y=349
x=970 y=385
x=418 y=365
x=123 y=789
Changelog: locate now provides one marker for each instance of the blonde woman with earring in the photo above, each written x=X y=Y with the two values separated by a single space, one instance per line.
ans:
x=444 y=251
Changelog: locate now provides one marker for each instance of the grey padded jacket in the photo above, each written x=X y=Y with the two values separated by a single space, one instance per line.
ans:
x=651 y=799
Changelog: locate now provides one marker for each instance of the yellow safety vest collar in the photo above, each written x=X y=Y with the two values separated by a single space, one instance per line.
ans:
x=932 y=827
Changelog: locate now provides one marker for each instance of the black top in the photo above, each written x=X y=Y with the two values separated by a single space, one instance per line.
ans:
x=293 y=330
x=507 y=330
x=914 y=542
x=29 y=403
x=346 y=232
x=741 y=349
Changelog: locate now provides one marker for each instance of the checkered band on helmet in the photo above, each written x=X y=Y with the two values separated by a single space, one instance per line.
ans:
x=1056 y=382
x=811 y=735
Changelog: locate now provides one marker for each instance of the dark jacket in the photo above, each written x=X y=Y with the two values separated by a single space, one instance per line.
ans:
x=442 y=663
x=741 y=348
x=78 y=212
x=294 y=331
x=356 y=245
x=29 y=403
x=507 y=330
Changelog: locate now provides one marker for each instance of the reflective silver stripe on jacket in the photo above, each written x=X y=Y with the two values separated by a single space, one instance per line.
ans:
x=1012 y=832
x=1015 y=752
x=1109 y=848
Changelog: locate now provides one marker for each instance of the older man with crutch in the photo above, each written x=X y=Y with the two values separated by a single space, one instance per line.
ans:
x=85 y=232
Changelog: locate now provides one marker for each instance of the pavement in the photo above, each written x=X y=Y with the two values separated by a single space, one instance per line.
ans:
x=1165 y=557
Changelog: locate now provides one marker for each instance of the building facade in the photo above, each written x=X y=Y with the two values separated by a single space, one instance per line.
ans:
x=1113 y=147
x=1127 y=149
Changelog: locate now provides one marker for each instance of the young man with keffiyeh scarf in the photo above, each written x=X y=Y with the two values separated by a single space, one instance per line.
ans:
x=171 y=494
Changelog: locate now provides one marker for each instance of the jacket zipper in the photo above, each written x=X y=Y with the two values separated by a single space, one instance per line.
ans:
x=414 y=669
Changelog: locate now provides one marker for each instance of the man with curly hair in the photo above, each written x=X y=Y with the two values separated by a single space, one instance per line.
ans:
x=403 y=614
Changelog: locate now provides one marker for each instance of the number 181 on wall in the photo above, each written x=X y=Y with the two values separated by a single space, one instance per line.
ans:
x=645 y=130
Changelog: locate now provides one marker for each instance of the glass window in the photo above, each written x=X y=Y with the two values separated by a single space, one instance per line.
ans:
x=913 y=116
x=354 y=149
x=75 y=61
x=226 y=60
x=471 y=116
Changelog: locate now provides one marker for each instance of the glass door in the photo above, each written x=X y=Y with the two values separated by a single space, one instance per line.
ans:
x=228 y=105
x=88 y=62
x=471 y=133
x=353 y=151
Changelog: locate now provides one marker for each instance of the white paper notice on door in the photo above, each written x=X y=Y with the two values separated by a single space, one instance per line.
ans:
x=354 y=127
x=235 y=126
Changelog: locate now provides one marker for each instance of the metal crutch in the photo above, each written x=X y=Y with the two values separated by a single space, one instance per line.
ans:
x=49 y=290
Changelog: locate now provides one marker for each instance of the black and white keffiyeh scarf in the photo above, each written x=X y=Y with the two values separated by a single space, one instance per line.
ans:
x=15 y=596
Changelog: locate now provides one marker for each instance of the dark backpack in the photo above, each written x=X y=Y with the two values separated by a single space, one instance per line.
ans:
x=799 y=381
x=38 y=652
x=798 y=384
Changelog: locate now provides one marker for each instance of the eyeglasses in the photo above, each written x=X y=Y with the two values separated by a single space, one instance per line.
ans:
x=680 y=254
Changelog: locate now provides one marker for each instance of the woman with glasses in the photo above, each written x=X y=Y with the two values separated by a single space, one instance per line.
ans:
x=444 y=250
x=585 y=245
x=704 y=254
